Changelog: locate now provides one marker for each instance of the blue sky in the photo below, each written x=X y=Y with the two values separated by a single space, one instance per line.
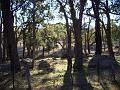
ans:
x=57 y=18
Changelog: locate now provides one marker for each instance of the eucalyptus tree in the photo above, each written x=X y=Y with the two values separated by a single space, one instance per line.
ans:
x=102 y=8
x=30 y=14
x=34 y=34
x=0 y=35
x=106 y=11
x=63 y=10
x=77 y=26
x=95 y=6
x=51 y=35
x=115 y=35
x=8 y=30
x=88 y=35
x=115 y=10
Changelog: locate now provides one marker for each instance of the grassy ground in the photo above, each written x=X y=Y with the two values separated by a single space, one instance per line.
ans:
x=51 y=78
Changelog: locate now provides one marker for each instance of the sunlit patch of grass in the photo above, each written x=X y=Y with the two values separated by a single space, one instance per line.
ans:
x=43 y=78
x=60 y=67
x=48 y=79
x=117 y=58
x=53 y=81
x=35 y=72
x=56 y=74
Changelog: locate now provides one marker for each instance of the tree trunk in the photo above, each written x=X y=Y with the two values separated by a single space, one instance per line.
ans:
x=7 y=16
x=0 y=40
x=27 y=74
x=102 y=34
x=98 y=40
x=119 y=46
x=24 y=38
x=85 y=46
x=108 y=32
x=77 y=25
x=68 y=45
x=69 y=58
x=34 y=34
x=104 y=44
x=88 y=37
x=4 y=51
x=28 y=51
x=43 y=52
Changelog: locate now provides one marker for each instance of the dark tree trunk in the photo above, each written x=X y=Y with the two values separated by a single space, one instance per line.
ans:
x=27 y=74
x=119 y=46
x=104 y=44
x=77 y=25
x=102 y=32
x=108 y=32
x=98 y=39
x=88 y=37
x=5 y=46
x=85 y=39
x=4 y=51
x=34 y=34
x=0 y=41
x=7 y=16
x=28 y=51
x=43 y=52
x=69 y=58
x=85 y=46
x=24 y=38
x=53 y=47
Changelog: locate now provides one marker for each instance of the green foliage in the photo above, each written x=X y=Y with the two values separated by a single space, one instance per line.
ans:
x=50 y=35
x=115 y=31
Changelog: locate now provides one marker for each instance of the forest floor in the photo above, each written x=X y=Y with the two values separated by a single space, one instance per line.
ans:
x=50 y=74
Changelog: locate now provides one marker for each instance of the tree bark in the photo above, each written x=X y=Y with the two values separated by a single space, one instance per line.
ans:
x=43 y=52
x=24 y=38
x=4 y=50
x=34 y=33
x=77 y=25
x=108 y=32
x=7 y=16
x=0 y=40
x=69 y=58
x=85 y=46
x=118 y=39
x=88 y=37
x=98 y=40
x=28 y=51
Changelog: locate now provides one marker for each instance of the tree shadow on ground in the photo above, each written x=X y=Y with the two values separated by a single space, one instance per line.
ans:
x=80 y=82
x=105 y=70
x=67 y=82
x=20 y=78
x=75 y=81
